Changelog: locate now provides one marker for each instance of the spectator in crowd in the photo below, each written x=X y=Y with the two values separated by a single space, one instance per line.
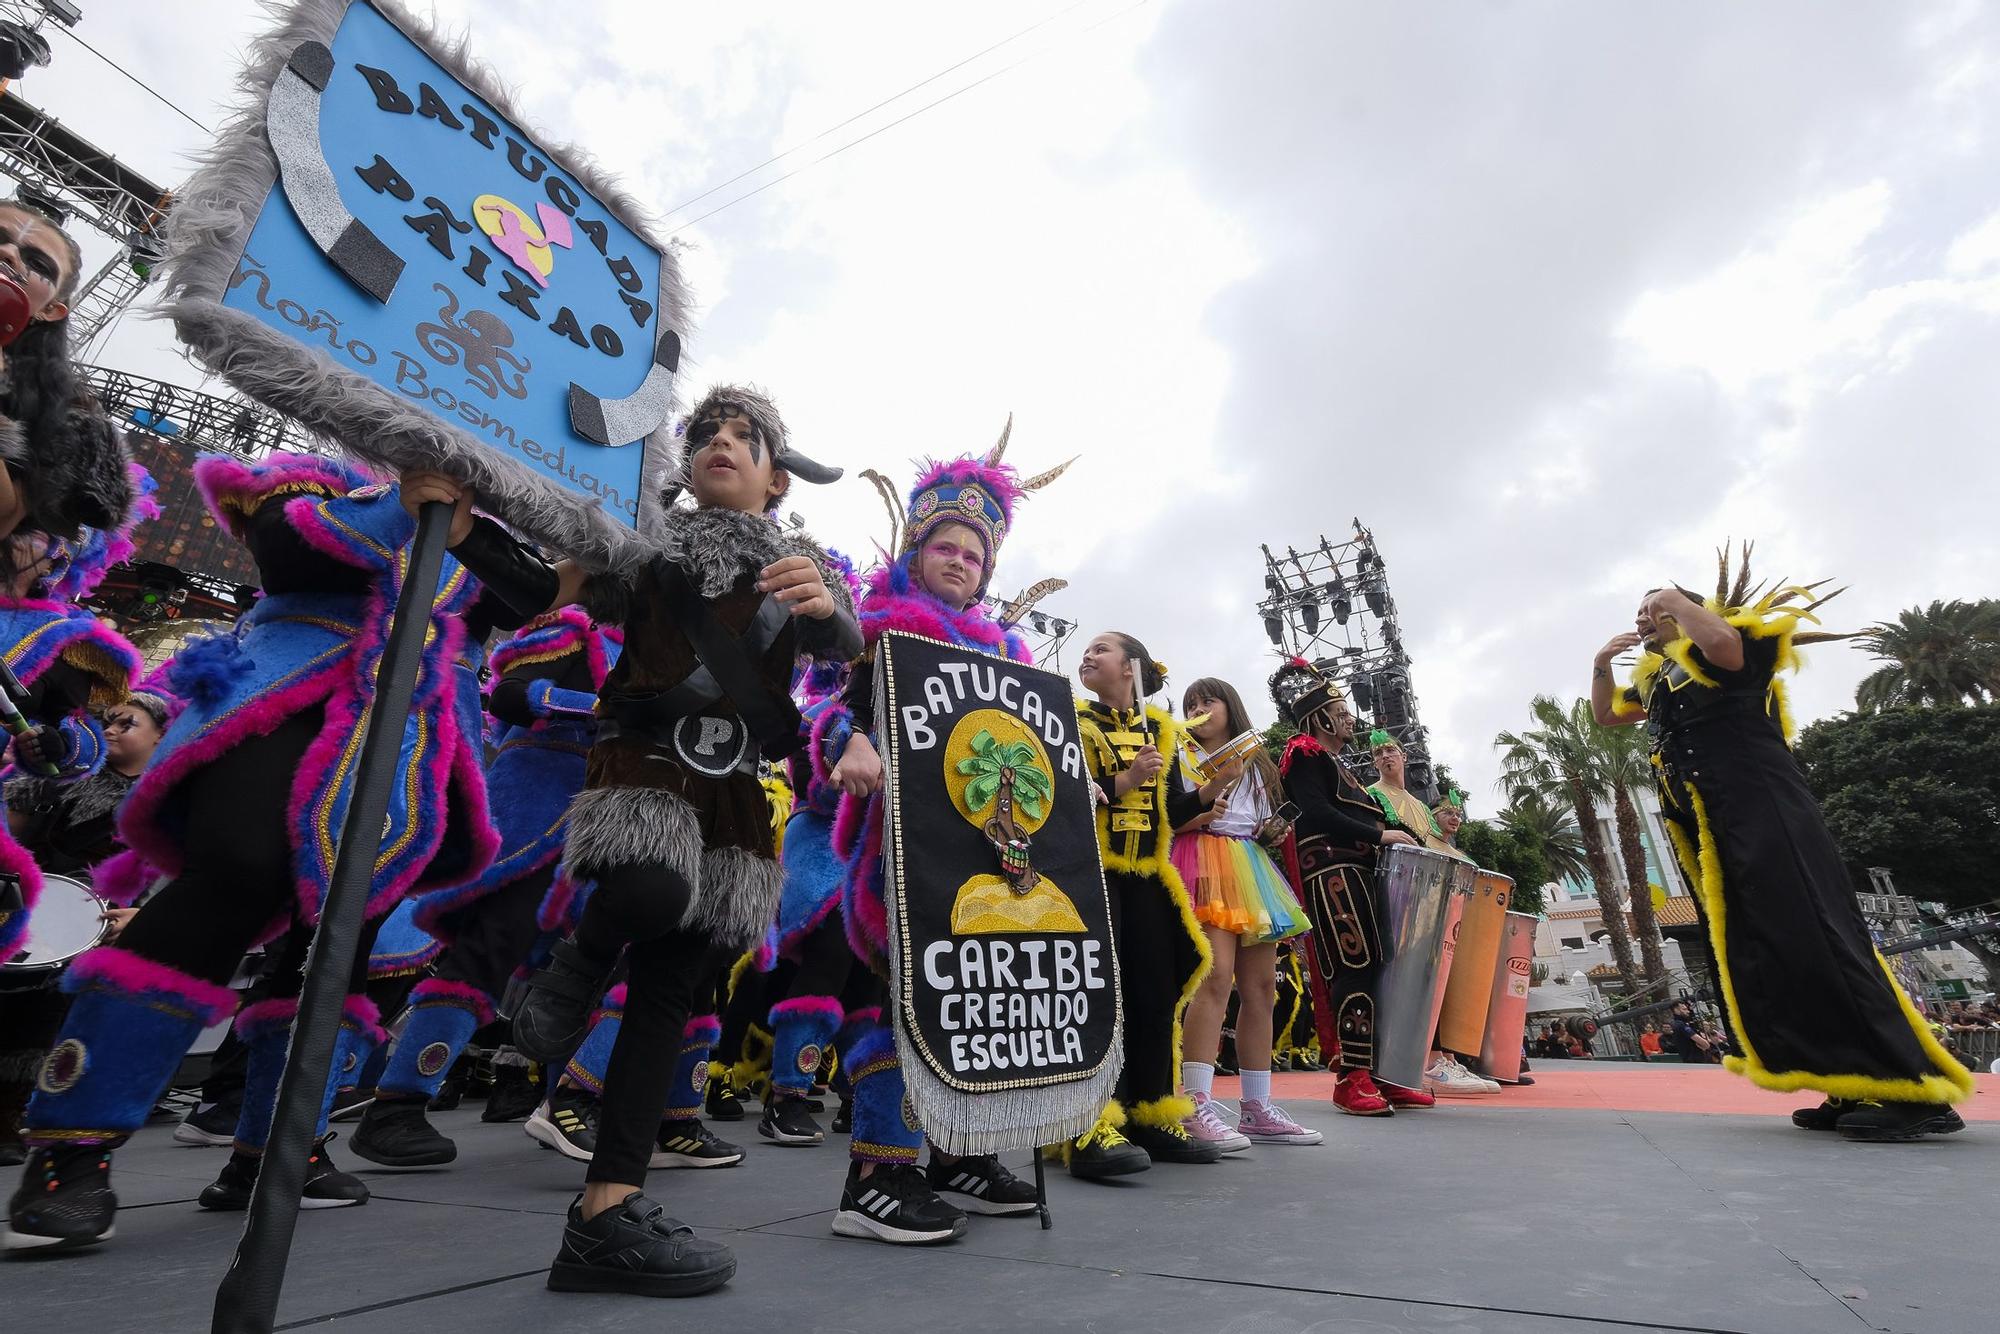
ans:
x=1683 y=1037
x=1649 y=1042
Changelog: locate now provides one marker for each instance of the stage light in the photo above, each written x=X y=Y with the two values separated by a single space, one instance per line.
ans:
x=1309 y=613
x=1275 y=628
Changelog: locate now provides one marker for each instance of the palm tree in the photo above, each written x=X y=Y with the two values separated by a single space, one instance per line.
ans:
x=1559 y=758
x=1547 y=825
x=1945 y=654
x=1627 y=766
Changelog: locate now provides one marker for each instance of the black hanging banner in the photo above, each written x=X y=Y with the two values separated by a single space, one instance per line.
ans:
x=1007 y=1014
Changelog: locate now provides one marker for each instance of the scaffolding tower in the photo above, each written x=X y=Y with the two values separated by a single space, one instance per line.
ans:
x=92 y=187
x=1331 y=606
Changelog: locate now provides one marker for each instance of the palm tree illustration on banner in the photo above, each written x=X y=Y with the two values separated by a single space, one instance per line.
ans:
x=1004 y=774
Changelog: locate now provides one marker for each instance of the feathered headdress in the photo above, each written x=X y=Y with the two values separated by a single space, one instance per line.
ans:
x=979 y=492
x=1300 y=690
x=1771 y=609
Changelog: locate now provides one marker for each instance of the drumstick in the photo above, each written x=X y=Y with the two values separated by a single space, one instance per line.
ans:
x=16 y=725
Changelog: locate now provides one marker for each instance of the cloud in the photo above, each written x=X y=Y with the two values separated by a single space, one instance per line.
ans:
x=1552 y=297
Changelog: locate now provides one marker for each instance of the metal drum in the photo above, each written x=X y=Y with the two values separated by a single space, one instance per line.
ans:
x=1414 y=889
x=1507 y=1011
x=67 y=920
x=1462 y=1024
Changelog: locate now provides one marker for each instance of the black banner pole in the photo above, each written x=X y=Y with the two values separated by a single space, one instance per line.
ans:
x=246 y=1301
x=1042 y=1194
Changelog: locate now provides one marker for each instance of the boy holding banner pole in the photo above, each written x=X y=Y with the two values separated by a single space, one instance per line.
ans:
x=672 y=824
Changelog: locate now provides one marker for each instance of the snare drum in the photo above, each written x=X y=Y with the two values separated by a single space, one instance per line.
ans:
x=67 y=920
x=1239 y=748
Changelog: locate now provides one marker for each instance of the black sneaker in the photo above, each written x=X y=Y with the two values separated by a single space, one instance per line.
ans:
x=567 y=1123
x=349 y=1104
x=210 y=1127
x=554 y=1013
x=789 y=1121
x=1892 y=1122
x=514 y=1095
x=634 y=1247
x=1103 y=1151
x=1825 y=1116
x=1173 y=1145
x=325 y=1186
x=896 y=1205
x=64 y=1200
x=395 y=1133
x=689 y=1143
x=843 y=1119
x=721 y=1102
x=980 y=1185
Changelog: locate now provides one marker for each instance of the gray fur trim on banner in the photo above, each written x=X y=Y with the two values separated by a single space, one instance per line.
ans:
x=212 y=219
x=1026 y=1118
x=13 y=441
x=614 y=826
x=738 y=899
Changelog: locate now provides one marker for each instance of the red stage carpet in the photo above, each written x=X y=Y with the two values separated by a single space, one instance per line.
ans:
x=1623 y=1086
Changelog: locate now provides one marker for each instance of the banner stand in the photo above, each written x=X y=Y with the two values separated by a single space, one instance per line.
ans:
x=246 y=1301
x=1042 y=1194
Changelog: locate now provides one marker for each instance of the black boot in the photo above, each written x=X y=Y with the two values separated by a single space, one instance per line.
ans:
x=1825 y=1116
x=634 y=1247
x=514 y=1097
x=1890 y=1122
x=555 y=1010
x=325 y=1186
x=1171 y=1145
x=395 y=1133
x=64 y=1200
x=721 y=1102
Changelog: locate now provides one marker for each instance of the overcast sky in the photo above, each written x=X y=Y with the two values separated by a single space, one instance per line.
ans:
x=1552 y=296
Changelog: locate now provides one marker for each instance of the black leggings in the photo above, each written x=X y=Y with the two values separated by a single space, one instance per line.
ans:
x=1155 y=959
x=236 y=868
x=493 y=935
x=640 y=906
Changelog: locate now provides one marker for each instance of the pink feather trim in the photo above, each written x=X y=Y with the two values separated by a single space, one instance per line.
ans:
x=123 y=877
x=138 y=976
x=703 y=1029
x=809 y=1007
x=443 y=991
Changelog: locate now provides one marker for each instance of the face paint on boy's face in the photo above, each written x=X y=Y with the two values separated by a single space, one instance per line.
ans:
x=727 y=465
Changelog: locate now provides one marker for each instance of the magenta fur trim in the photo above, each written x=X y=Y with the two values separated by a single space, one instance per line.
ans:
x=704 y=1029
x=303 y=513
x=614 y=999
x=998 y=480
x=365 y=1015
x=139 y=819
x=123 y=877
x=830 y=717
x=578 y=631
x=137 y=975
x=265 y=1017
x=222 y=479
x=554 y=913
x=809 y=1007
x=441 y=991
x=870 y=1016
x=866 y=918
x=16 y=861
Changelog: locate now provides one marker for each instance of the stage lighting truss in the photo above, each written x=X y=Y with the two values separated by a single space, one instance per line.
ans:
x=1331 y=605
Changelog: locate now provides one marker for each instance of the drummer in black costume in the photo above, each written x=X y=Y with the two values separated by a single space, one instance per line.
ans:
x=1339 y=832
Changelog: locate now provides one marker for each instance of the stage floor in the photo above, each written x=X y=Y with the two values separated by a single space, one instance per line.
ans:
x=1607 y=1199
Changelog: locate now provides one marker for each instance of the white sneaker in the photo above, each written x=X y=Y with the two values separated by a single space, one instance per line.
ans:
x=1447 y=1079
x=1492 y=1085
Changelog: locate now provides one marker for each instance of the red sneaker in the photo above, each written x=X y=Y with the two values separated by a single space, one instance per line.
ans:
x=1399 y=1096
x=1355 y=1093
